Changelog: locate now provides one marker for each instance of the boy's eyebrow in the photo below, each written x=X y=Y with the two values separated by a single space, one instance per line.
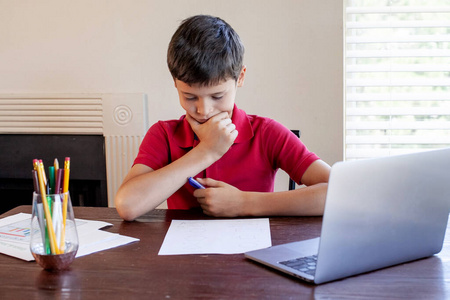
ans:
x=223 y=91
x=214 y=94
x=187 y=94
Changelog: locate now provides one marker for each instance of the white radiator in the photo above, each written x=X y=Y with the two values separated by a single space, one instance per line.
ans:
x=121 y=118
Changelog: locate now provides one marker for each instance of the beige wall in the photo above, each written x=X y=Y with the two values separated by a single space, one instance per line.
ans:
x=294 y=56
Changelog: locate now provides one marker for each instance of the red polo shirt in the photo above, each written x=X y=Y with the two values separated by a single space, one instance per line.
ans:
x=261 y=147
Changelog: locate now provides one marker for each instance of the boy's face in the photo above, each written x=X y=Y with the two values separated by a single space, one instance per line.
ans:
x=202 y=102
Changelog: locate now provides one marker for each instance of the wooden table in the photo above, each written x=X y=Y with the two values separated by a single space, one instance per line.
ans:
x=136 y=271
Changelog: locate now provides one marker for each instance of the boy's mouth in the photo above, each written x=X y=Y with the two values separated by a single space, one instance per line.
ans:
x=202 y=120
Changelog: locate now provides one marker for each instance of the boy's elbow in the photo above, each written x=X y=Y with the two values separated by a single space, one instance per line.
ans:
x=124 y=210
x=125 y=215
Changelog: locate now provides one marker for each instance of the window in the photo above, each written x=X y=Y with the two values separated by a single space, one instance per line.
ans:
x=397 y=74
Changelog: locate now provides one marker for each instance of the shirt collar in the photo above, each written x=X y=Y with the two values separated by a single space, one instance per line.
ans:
x=184 y=135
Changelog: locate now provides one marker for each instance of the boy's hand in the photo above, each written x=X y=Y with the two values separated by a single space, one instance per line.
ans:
x=219 y=199
x=217 y=134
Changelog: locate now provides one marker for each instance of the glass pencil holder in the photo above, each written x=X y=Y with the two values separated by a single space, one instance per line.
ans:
x=54 y=237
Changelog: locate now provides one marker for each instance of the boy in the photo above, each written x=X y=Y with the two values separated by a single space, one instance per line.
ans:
x=233 y=154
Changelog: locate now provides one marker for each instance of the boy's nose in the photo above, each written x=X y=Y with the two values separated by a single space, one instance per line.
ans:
x=203 y=108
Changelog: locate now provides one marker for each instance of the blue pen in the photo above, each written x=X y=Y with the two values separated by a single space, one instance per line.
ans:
x=195 y=183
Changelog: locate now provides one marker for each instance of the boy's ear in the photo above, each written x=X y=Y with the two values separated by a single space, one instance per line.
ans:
x=240 y=81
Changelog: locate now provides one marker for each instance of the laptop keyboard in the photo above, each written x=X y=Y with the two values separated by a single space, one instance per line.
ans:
x=303 y=264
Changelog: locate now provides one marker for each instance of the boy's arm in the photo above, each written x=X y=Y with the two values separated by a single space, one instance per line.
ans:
x=143 y=189
x=226 y=201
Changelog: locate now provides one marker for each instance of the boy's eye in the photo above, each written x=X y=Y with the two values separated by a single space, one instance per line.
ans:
x=217 y=97
x=190 y=98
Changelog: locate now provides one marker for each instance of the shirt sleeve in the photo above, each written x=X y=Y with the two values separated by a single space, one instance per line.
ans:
x=154 y=149
x=286 y=151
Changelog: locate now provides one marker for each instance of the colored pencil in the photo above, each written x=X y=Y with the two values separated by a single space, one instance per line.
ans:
x=53 y=245
x=66 y=195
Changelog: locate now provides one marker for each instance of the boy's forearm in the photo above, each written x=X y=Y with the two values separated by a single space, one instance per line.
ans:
x=307 y=201
x=146 y=191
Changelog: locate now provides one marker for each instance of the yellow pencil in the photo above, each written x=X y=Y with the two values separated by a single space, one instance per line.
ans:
x=44 y=177
x=53 y=242
x=66 y=195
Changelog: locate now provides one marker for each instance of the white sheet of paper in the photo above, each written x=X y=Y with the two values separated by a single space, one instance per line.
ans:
x=90 y=238
x=216 y=236
x=101 y=240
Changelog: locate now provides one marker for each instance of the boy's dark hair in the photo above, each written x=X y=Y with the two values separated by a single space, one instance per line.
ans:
x=205 y=50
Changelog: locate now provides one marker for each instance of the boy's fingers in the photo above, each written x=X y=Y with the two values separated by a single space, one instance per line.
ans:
x=209 y=182
x=220 y=116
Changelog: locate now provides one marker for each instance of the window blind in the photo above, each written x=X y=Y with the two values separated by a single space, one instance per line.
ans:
x=397 y=77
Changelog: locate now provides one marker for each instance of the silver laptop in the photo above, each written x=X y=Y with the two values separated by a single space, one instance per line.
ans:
x=378 y=213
